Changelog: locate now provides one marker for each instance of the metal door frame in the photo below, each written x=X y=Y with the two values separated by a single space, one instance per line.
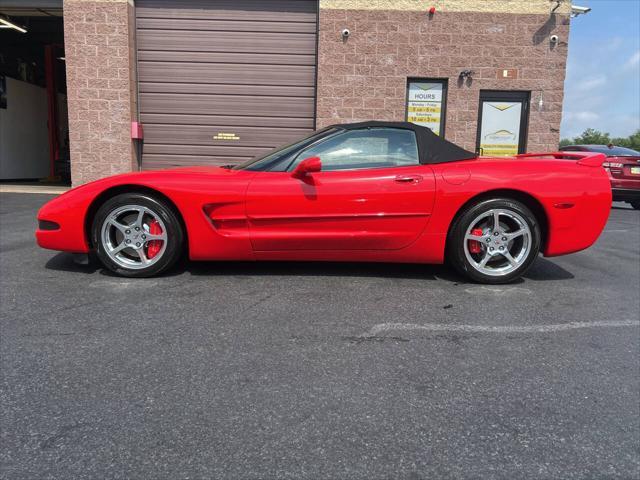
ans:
x=522 y=96
x=443 y=105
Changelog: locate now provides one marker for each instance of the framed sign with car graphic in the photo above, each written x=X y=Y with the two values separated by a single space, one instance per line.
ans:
x=502 y=123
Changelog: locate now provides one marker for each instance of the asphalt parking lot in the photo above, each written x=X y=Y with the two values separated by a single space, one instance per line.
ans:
x=302 y=370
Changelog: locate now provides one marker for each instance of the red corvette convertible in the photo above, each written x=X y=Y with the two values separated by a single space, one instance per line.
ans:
x=372 y=192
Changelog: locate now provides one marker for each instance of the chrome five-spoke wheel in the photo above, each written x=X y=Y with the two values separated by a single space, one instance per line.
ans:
x=134 y=236
x=497 y=242
x=137 y=235
x=494 y=240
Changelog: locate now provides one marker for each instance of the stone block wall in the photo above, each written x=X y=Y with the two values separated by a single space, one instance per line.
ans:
x=362 y=78
x=365 y=76
x=100 y=87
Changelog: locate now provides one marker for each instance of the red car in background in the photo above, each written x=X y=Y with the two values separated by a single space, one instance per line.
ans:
x=623 y=167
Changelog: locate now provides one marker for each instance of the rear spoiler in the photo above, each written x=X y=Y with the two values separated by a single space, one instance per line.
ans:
x=590 y=159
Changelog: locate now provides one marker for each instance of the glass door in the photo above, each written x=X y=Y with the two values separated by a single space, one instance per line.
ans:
x=502 y=123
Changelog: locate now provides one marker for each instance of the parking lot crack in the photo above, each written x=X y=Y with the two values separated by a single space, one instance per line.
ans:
x=374 y=338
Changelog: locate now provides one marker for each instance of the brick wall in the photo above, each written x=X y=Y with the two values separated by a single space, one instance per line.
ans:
x=100 y=86
x=365 y=76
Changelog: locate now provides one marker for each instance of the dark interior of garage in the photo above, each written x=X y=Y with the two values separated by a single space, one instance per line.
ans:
x=34 y=139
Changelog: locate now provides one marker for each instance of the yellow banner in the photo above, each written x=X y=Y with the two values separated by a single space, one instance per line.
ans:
x=498 y=150
x=424 y=118
x=423 y=109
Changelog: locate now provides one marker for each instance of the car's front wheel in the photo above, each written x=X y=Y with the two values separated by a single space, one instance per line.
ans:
x=494 y=241
x=137 y=235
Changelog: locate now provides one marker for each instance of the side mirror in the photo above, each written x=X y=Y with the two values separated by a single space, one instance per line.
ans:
x=307 y=166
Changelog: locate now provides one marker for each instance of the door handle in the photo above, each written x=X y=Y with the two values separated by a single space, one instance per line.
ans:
x=408 y=178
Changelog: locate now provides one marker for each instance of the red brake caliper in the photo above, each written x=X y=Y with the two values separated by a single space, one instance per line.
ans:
x=154 y=246
x=474 y=245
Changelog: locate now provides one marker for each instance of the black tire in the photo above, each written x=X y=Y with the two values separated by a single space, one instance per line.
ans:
x=456 y=248
x=167 y=213
x=635 y=204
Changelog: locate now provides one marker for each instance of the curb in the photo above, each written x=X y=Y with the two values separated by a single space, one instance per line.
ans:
x=45 y=189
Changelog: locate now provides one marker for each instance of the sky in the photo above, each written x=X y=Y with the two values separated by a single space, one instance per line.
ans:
x=602 y=88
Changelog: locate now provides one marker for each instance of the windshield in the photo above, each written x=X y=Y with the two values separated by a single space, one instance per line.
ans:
x=608 y=151
x=273 y=157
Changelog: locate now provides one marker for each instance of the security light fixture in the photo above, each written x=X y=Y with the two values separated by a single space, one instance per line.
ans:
x=466 y=74
x=6 y=23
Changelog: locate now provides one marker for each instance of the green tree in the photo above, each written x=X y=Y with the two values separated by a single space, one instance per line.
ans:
x=594 y=137
x=632 y=141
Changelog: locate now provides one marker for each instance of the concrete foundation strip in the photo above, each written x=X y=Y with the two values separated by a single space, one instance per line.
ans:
x=42 y=189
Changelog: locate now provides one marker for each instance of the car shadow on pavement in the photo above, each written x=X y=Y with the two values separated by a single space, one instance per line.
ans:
x=541 y=270
x=64 y=262
x=325 y=269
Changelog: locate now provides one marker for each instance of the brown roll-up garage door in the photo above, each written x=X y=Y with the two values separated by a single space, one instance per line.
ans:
x=221 y=81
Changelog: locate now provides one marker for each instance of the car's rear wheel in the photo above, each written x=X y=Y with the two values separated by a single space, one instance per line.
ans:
x=137 y=235
x=494 y=241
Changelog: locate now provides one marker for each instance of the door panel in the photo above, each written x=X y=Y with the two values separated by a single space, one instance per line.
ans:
x=369 y=209
x=502 y=123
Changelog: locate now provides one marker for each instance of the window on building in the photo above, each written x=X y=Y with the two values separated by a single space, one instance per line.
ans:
x=426 y=103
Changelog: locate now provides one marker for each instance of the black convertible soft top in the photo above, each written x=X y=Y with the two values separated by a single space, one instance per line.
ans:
x=431 y=148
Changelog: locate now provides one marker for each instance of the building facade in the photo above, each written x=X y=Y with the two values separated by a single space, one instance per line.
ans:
x=220 y=81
